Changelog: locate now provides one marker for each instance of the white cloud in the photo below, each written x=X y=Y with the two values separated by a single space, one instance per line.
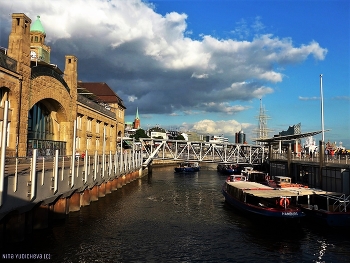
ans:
x=148 y=57
x=132 y=98
x=199 y=76
x=227 y=128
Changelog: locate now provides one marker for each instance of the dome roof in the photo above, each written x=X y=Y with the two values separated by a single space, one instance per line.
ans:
x=37 y=26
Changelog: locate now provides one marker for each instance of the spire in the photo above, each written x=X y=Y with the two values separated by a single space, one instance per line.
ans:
x=137 y=123
x=137 y=114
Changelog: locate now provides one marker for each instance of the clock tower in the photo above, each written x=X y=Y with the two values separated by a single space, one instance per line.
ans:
x=38 y=50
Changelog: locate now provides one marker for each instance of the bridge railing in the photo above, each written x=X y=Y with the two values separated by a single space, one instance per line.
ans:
x=201 y=151
x=341 y=159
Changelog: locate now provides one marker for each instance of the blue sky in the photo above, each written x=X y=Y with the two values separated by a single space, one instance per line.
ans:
x=204 y=65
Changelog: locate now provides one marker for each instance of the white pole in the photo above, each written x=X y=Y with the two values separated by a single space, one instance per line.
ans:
x=103 y=151
x=3 y=150
x=322 y=120
x=74 y=152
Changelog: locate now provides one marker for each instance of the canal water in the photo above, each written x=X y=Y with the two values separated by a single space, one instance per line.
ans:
x=169 y=217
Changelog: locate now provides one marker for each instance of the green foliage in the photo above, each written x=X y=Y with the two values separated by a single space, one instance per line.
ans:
x=157 y=129
x=140 y=133
x=179 y=137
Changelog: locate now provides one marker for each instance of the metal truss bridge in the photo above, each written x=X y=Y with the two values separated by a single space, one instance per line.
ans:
x=154 y=149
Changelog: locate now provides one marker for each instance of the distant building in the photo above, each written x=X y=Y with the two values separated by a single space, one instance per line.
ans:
x=195 y=137
x=240 y=137
x=216 y=139
x=137 y=122
x=292 y=130
x=172 y=135
x=158 y=135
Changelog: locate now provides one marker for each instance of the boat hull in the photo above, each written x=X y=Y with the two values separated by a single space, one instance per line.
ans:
x=226 y=171
x=263 y=212
x=323 y=217
x=187 y=167
x=186 y=170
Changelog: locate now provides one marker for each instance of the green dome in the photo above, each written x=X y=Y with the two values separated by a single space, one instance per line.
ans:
x=37 y=26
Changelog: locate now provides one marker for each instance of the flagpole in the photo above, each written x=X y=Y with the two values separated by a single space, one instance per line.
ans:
x=322 y=120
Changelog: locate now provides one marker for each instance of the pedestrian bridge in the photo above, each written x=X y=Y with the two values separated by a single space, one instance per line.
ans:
x=176 y=150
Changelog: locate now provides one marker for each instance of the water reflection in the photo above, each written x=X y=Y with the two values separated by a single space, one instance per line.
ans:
x=170 y=217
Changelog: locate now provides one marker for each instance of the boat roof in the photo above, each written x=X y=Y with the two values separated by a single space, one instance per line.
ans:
x=264 y=191
x=301 y=191
x=260 y=190
x=280 y=176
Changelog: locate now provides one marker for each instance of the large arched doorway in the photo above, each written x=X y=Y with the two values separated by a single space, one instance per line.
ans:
x=43 y=131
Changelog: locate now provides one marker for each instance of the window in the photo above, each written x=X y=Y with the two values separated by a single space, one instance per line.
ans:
x=88 y=143
x=89 y=125
x=40 y=123
x=97 y=144
x=77 y=143
x=79 y=120
x=97 y=127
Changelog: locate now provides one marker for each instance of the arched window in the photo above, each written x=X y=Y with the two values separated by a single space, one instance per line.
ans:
x=40 y=124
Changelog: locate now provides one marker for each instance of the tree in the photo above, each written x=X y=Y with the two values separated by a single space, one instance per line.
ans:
x=157 y=129
x=179 y=137
x=140 y=133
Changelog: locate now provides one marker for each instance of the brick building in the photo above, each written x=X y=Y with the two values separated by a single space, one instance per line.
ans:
x=46 y=104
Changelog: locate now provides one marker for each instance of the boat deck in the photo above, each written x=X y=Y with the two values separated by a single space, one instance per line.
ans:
x=260 y=190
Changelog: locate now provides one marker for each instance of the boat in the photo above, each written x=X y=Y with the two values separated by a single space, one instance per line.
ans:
x=325 y=208
x=187 y=167
x=261 y=200
x=256 y=176
x=275 y=182
x=226 y=168
x=231 y=168
x=283 y=182
x=236 y=178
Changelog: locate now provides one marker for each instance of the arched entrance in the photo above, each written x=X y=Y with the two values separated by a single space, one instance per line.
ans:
x=43 y=128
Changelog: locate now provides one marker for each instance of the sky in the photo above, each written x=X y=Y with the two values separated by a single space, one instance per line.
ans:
x=207 y=65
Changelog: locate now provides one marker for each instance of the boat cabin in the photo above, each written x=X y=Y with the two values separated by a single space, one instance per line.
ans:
x=282 y=180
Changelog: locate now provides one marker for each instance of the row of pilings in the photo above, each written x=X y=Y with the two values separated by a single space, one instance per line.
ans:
x=17 y=226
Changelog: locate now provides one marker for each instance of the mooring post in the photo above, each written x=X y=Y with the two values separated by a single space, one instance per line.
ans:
x=149 y=166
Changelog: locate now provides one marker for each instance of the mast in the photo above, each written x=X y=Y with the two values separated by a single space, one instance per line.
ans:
x=262 y=132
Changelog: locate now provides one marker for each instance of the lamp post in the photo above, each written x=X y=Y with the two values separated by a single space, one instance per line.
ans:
x=322 y=120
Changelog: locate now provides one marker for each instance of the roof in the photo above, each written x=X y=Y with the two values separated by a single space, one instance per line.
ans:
x=99 y=91
x=37 y=26
x=289 y=137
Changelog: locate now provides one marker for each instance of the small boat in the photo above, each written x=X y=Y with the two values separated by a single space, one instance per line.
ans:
x=325 y=208
x=187 y=167
x=236 y=178
x=226 y=168
x=261 y=200
x=231 y=168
